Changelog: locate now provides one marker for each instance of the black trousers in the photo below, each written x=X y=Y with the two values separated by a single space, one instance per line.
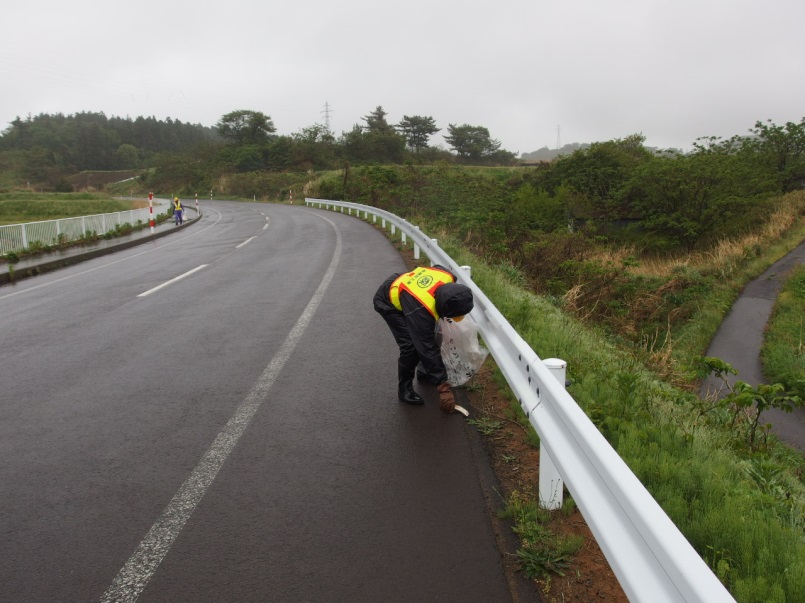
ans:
x=408 y=354
x=396 y=321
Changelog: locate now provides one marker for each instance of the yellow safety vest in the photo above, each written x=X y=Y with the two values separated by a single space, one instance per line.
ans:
x=422 y=284
x=177 y=205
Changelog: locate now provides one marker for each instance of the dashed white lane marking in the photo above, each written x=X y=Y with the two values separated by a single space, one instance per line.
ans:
x=173 y=280
x=246 y=242
x=137 y=572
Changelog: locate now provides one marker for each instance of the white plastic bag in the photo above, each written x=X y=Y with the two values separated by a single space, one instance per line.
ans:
x=462 y=353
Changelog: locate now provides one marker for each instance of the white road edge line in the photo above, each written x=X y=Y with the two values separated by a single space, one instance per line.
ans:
x=173 y=280
x=135 y=575
x=246 y=242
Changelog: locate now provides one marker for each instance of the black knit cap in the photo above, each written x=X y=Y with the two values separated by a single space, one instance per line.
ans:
x=453 y=299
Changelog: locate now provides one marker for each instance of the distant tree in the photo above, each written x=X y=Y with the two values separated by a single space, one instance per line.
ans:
x=692 y=199
x=314 y=147
x=244 y=127
x=376 y=122
x=360 y=146
x=471 y=142
x=376 y=142
x=128 y=156
x=781 y=149
x=417 y=130
x=598 y=172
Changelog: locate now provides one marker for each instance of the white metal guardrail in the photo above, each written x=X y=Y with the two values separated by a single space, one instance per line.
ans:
x=651 y=558
x=16 y=237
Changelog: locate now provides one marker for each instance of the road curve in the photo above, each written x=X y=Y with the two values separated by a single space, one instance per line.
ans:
x=212 y=416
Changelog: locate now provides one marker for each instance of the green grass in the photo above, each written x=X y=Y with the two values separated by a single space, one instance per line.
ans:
x=542 y=552
x=752 y=536
x=19 y=207
x=783 y=352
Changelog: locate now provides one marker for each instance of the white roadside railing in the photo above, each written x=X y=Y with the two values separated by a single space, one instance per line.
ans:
x=16 y=237
x=651 y=558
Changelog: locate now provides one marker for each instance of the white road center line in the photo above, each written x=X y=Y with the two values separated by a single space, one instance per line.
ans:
x=135 y=575
x=173 y=280
x=246 y=242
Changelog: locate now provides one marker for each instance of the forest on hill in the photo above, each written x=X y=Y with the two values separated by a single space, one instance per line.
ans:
x=44 y=152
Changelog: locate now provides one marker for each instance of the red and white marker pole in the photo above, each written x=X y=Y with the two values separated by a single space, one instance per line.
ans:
x=197 y=205
x=151 y=211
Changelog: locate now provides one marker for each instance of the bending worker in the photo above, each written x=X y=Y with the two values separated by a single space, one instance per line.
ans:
x=411 y=304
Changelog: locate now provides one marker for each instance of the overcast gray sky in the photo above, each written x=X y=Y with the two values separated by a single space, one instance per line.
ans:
x=532 y=72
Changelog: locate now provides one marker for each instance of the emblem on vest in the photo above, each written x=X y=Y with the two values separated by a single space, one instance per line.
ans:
x=425 y=281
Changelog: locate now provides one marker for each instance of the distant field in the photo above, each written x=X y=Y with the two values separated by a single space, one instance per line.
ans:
x=34 y=207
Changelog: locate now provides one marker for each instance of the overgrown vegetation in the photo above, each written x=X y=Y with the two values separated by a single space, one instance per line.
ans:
x=741 y=505
x=784 y=350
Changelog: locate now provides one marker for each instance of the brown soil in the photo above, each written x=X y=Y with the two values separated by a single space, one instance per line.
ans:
x=516 y=465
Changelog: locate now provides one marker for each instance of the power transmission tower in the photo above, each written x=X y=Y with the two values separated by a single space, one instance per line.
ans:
x=326 y=113
x=558 y=137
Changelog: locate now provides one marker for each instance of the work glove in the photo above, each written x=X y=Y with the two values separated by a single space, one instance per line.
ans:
x=446 y=401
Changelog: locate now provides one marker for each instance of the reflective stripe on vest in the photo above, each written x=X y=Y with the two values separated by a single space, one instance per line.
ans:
x=422 y=284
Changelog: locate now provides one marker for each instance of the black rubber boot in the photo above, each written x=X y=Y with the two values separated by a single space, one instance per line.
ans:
x=423 y=377
x=405 y=386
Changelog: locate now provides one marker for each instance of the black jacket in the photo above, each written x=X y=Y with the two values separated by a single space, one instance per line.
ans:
x=451 y=300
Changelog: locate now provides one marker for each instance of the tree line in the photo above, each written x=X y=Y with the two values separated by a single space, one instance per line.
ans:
x=45 y=149
x=618 y=189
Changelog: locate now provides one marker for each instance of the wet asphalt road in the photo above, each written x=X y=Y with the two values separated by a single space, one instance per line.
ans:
x=232 y=435
x=740 y=338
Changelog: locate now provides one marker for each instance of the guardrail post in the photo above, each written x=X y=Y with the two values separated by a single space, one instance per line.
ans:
x=383 y=222
x=551 y=485
x=402 y=236
x=467 y=270
x=416 y=247
x=393 y=229
x=374 y=218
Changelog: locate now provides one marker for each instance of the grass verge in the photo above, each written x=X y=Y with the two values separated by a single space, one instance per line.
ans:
x=744 y=514
x=783 y=354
